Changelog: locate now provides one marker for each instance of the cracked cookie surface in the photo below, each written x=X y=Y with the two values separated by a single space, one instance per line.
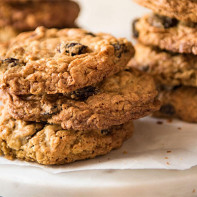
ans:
x=49 y=144
x=60 y=61
x=27 y=16
x=167 y=33
x=184 y=10
x=124 y=96
x=180 y=102
x=171 y=69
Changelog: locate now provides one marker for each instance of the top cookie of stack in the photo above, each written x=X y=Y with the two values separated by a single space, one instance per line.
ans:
x=23 y=15
x=167 y=49
x=54 y=61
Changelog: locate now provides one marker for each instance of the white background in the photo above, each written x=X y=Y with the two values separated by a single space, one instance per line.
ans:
x=110 y=16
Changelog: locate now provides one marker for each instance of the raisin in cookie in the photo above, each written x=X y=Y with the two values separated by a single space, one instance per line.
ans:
x=184 y=10
x=116 y=100
x=180 y=102
x=166 y=33
x=49 y=144
x=171 y=69
x=59 y=61
x=27 y=16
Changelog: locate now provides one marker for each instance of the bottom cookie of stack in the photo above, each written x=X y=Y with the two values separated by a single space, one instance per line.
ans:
x=49 y=144
x=180 y=102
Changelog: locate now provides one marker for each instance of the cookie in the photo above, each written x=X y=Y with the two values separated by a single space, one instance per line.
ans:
x=59 y=61
x=116 y=100
x=167 y=33
x=180 y=102
x=27 y=16
x=184 y=10
x=49 y=144
x=167 y=68
x=7 y=33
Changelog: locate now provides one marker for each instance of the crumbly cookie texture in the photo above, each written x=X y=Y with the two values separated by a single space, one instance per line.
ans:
x=7 y=33
x=59 y=61
x=116 y=100
x=171 y=69
x=180 y=102
x=166 y=33
x=184 y=10
x=49 y=144
x=27 y=16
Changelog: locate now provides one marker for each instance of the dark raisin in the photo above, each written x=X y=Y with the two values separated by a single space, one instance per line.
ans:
x=119 y=49
x=105 y=131
x=167 y=109
x=162 y=21
x=134 y=30
x=83 y=93
x=176 y=87
x=90 y=34
x=11 y=61
x=73 y=48
x=128 y=69
x=54 y=109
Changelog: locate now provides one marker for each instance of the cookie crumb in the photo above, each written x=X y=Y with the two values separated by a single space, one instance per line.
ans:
x=193 y=191
x=168 y=151
x=179 y=128
x=166 y=157
x=167 y=163
x=124 y=152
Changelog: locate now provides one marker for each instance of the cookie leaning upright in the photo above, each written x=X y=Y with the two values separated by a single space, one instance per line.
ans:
x=60 y=61
x=167 y=49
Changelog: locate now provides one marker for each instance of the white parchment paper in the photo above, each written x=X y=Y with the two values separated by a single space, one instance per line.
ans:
x=156 y=144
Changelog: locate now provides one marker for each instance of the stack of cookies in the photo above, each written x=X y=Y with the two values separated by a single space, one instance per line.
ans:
x=25 y=15
x=167 y=49
x=68 y=96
